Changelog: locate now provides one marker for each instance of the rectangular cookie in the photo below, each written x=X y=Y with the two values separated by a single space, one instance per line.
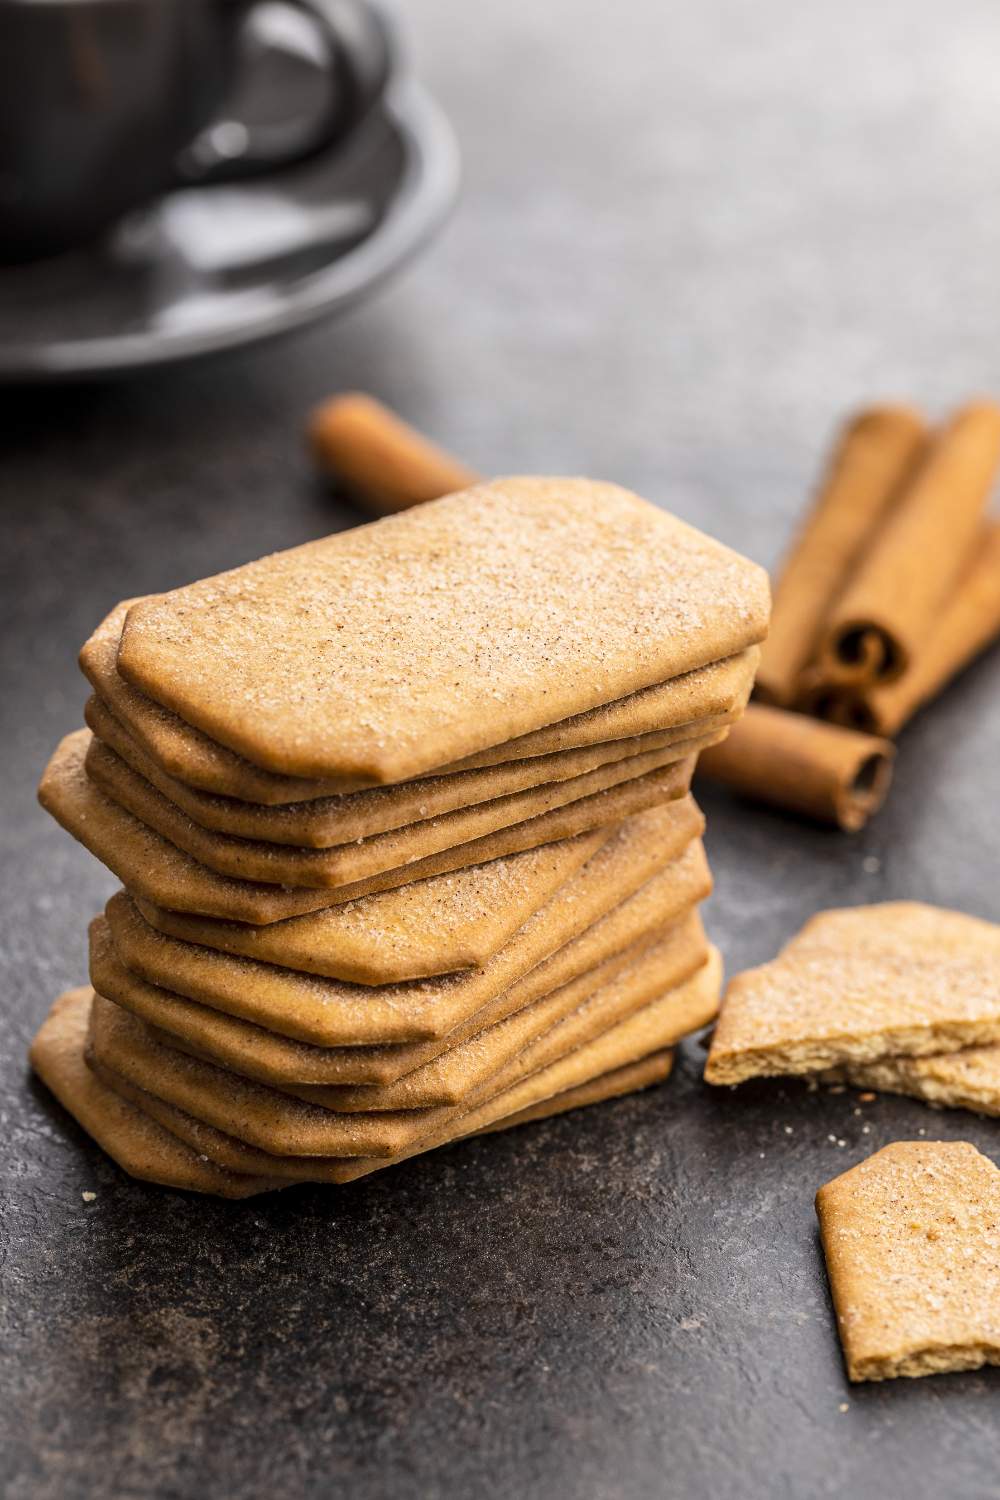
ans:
x=657 y=961
x=130 y=1127
x=546 y=953
x=362 y=859
x=154 y=869
x=329 y=821
x=454 y=922
x=312 y=944
x=281 y=1125
x=645 y=1035
x=341 y=658
x=214 y=1146
x=185 y=753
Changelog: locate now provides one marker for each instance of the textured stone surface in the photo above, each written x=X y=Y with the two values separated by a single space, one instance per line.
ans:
x=690 y=237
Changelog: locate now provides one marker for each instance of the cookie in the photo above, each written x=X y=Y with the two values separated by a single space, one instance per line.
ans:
x=282 y=1125
x=642 y=1037
x=126 y=1123
x=314 y=947
x=457 y=921
x=264 y=1053
x=969 y=1079
x=341 y=658
x=656 y=963
x=293 y=1066
x=125 y=1132
x=329 y=821
x=154 y=869
x=218 y=1147
x=912 y=1249
x=187 y=755
x=362 y=859
x=899 y=978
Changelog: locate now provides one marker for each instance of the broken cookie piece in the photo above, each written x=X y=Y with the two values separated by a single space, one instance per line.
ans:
x=897 y=979
x=912 y=1244
x=969 y=1079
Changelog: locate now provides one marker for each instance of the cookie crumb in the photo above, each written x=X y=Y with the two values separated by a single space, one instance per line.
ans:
x=88 y=1197
x=843 y=1406
x=868 y=1097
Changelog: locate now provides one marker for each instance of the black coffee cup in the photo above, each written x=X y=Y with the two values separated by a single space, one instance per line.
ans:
x=105 y=104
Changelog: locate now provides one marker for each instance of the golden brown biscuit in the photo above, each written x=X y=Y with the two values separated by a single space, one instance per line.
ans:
x=126 y=1133
x=250 y=1048
x=252 y=1055
x=341 y=658
x=236 y=1156
x=362 y=859
x=152 y=868
x=657 y=962
x=629 y=1079
x=969 y=1079
x=314 y=946
x=639 y=1038
x=329 y=821
x=912 y=1250
x=899 y=978
x=188 y=755
x=282 y=1125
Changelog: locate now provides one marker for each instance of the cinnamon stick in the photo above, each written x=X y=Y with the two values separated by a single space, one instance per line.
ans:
x=873 y=455
x=386 y=464
x=800 y=764
x=837 y=700
x=917 y=555
x=965 y=627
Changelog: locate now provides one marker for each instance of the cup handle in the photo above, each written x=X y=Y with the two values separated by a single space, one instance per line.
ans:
x=361 y=52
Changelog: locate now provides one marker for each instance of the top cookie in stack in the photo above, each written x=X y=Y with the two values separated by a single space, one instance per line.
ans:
x=403 y=822
x=507 y=666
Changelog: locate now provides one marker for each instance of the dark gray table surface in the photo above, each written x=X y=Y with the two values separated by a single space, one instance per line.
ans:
x=690 y=237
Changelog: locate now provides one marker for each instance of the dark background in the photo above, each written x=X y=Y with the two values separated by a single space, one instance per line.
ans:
x=691 y=238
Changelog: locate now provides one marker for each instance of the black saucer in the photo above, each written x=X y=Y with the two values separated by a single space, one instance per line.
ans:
x=208 y=269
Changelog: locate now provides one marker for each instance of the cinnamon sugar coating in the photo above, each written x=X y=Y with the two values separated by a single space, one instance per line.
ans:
x=912 y=1244
x=341 y=658
x=859 y=984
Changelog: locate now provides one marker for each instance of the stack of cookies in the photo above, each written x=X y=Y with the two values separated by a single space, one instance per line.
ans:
x=403 y=823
